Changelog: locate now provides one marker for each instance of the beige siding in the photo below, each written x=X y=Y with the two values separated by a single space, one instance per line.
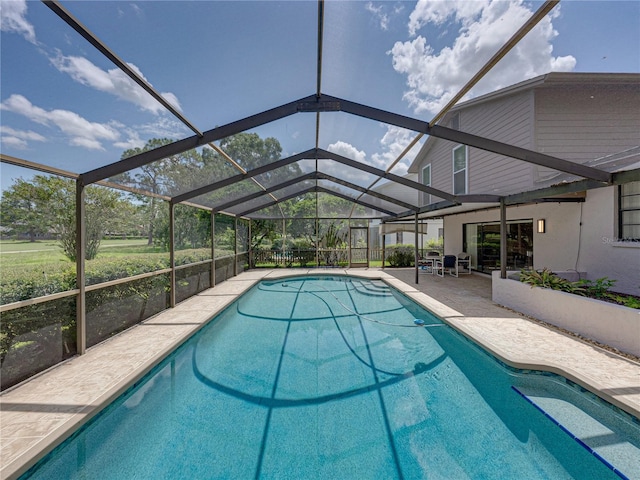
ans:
x=576 y=122
x=586 y=122
x=507 y=120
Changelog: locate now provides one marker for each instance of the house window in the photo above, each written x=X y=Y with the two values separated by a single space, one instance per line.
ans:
x=426 y=180
x=630 y=211
x=460 y=154
x=455 y=121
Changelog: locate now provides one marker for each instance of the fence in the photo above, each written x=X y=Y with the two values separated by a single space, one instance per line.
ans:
x=40 y=332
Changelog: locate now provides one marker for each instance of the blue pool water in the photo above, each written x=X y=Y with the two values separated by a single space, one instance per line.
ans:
x=331 y=378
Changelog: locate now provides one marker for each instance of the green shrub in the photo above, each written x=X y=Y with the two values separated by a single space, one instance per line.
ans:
x=545 y=278
x=597 y=289
x=401 y=255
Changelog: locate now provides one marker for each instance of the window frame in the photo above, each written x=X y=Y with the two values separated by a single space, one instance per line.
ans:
x=427 y=196
x=465 y=169
x=623 y=235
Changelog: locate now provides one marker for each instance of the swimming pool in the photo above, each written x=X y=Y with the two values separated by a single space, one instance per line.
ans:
x=329 y=377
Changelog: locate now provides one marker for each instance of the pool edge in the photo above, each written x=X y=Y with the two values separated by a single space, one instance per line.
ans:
x=236 y=287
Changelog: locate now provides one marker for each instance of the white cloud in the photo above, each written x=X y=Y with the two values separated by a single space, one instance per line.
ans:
x=12 y=19
x=19 y=139
x=133 y=141
x=23 y=134
x=433 y=78
x=393 y=143
x=343 y=172
x=164 y=127
x=80 y=131
x=14 y=142
x=113 y=81
x=379 y=15
x=347 y=150
x=438 y=12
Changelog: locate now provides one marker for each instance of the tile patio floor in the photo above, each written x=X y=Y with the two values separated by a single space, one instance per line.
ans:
x=39 y=414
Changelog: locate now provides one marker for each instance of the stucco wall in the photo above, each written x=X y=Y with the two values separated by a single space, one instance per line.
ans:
x=556 y=249
x=601 y=252
x=604 y=322
x=568 y=245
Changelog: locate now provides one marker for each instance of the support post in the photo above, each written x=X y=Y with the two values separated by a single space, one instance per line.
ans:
x=212 y=278
x=416 y=254
x=81 y=253
x=383 y=244
x=235 y=247
x=503 y=239
x=349 y=246
x=284 y=241
x=317 y=237
x=250 y=247
x=172 y=255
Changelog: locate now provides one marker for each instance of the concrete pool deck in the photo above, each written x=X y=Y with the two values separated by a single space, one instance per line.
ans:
x=39 y=414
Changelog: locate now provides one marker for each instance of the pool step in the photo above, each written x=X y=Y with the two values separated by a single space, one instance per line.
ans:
x=610 y=447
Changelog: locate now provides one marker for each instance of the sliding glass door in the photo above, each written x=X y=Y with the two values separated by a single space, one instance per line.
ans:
x=482 y=242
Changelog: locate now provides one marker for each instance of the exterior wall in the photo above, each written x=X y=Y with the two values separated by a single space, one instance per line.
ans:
x=574 y=240
x=601 y=254
x=506 y=119
x=575 y=117
x=603 y=322
x=584 y=122
x=408 y=238
x=556 y=249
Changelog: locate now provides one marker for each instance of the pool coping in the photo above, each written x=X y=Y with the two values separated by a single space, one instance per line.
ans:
x=36 y=416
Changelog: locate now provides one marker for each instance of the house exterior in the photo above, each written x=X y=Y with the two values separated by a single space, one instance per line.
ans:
x=430 y=230
x=592 y=119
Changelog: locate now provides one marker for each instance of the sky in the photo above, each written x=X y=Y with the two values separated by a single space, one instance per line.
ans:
x=64 y=105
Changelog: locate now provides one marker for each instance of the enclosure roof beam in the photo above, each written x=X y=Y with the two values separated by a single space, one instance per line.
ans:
x=106 y=51
x=359 y=202
x=242 y=176
x=311 y=176
x=274 y=188
x=618 y=178
x=482 y=143
x=177 y=147
x=327 y=103
x=373 y=193
x=478 y=198
x=499 y=55
x=389 y=176
x=520 y=153
x=282 y=199
x=323 y=190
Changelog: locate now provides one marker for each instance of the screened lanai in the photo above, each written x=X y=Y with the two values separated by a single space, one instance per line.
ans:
x=266 y=132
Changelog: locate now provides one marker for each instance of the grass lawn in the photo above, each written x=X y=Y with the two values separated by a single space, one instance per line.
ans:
x=22 y=253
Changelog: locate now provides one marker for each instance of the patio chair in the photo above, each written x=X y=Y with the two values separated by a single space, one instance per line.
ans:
x=464 y=263
x=428 y=262
x=447 y=262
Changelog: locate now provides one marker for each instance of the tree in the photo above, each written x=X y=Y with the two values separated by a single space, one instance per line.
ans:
x=54 y=198
x=21 y=210
x=192 y=228
x=168 y=176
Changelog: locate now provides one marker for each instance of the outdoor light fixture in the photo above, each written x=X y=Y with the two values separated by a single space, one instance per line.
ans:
x=542 y=225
